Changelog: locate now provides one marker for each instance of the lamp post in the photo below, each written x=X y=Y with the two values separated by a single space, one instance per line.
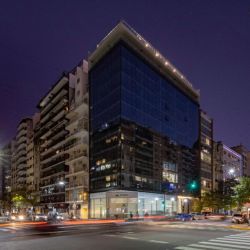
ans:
x=172 y=205
x=186 y=202
x=151 y=206
x=63 y=183
x=156 y=199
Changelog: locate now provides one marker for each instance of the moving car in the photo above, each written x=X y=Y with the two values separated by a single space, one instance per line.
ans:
x=41 y=217
x=238 y=218
x=17 y=217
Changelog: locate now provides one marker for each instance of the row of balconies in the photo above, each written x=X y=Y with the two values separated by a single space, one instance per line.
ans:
x=55 y=161
x=60 y=95
x=54 y=110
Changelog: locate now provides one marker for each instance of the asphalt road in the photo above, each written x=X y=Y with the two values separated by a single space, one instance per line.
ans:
x=183 y=236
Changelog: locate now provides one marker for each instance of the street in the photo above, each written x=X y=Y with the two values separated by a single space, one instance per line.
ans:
x=182 y=236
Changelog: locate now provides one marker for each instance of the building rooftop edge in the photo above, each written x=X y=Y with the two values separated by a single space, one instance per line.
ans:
x=121 y=30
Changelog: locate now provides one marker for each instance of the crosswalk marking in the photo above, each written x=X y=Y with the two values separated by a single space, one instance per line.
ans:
x=235 y=239
x=235 y=242
x=197 y=227
x=222 y=244
x=211 y=247
x=229 y=242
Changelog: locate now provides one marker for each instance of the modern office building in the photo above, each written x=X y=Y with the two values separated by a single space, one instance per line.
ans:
x=19 y=155
x=77 y=143
x=144 y=130
x=206 y=151
x=50 y=137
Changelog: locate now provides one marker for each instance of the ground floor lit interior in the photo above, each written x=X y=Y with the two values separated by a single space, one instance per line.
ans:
x=124 y=204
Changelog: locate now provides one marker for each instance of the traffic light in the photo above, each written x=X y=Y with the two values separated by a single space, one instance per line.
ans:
x=193 y=186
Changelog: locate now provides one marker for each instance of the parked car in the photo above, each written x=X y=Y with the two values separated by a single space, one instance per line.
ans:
x=184 y=217
x=238 y=218
x=197 y=216
x=206 y=214
x=41 y=217
x=216 y=217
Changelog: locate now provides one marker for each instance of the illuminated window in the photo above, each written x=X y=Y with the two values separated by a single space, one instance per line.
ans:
x=207 y=141
x=138 y=178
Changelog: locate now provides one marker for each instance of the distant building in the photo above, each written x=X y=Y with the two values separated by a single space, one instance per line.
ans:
x=206 y=157
x=19 y=157
x=32 y=183
x=5 y=172
x=244 y=152
x=228 y=165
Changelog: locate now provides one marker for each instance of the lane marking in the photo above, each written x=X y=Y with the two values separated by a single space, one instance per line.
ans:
x=158 y=241
x=188 y=248
x=130 y=238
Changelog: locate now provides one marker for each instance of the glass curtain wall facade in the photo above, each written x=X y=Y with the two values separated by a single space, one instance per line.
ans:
x=144 y=131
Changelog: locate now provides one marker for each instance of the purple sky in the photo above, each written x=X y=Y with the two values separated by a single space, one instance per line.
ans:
x=209 y=41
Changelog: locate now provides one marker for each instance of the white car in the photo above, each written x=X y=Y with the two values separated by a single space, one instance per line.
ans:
x=198 y=216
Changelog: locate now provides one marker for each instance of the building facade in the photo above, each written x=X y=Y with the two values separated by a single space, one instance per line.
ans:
x=144 y=130
x=19 y=163
x=244 y=152
x=206 y=151
x=77 y=143
x=50 y=137
x=5 y=172
x=228 y=165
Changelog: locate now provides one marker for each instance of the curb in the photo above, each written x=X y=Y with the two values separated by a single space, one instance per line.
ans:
x=240 y=228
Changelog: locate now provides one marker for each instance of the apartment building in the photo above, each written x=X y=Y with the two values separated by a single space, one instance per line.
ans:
x=206 y=152
x=76 y=143
x=32 y=183
x=19 y=155
x=5 y=172
x=50 y=137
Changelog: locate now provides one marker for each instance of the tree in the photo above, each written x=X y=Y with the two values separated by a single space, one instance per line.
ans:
x=242 y=191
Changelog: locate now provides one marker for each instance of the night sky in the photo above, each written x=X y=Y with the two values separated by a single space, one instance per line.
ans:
x=208 y=41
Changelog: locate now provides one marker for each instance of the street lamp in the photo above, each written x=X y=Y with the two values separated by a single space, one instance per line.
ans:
x=231 y=171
